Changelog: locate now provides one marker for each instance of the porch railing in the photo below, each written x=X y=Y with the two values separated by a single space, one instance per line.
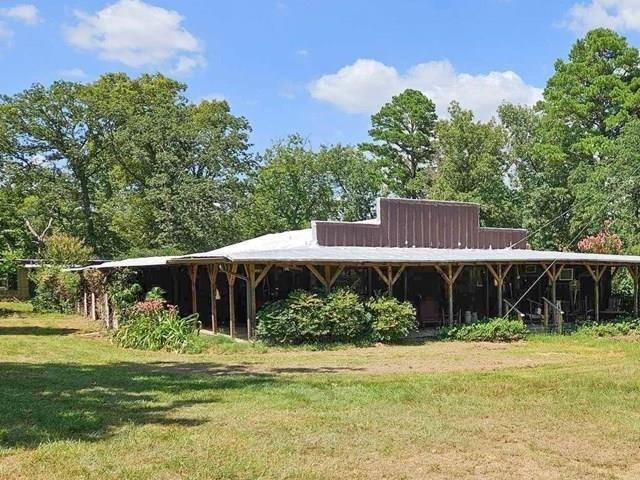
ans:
x=510 y=307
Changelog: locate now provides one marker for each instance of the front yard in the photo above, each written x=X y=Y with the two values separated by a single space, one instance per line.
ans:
x=72 y=405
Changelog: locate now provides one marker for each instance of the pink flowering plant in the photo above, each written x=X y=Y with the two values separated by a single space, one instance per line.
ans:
x=603 y=242
x=154 y=324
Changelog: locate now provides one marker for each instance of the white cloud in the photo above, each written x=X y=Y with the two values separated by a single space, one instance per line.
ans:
x=185 y=65
x=5 y=32
x=303 y=52
x=365 y=85
x=74 y=73
x=615 y=14
x=23 y=12
x=139 y=35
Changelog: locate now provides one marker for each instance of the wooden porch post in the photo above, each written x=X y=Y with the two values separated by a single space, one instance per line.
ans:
x=231 y=280
x=596 y=275
x=634 y=271
x=212 y=271
x=499 y=275
x=450 y=278
x=193 y=276
x=554 y=273
x=250 y=273
x=93 y=305
x=107 y=316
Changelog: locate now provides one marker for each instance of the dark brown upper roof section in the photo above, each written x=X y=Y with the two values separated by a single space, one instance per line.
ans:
x=419 y=223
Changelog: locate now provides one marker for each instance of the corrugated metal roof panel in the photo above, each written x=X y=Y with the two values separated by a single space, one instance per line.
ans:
x=372 y=255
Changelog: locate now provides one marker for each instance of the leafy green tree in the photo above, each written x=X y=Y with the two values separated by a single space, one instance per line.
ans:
x=585 y=107
x=473 y=166
x=56 y=126
x=296 y=185
x=403 y=133
x=289 y=190
x=126 y=164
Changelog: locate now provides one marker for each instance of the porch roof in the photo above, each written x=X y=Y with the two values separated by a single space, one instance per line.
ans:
x=298 y=247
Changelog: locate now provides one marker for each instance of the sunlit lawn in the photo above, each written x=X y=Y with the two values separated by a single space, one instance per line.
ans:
x=72 y=405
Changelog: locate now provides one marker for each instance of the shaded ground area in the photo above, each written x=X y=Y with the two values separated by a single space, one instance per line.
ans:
x=75 y=406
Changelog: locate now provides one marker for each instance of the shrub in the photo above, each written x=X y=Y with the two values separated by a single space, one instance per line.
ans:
x=346 y=317
x=341 y=316
x=392 y=319
x=56 y=290
x=63 y=249
x=154 y=325
x=156 y=293
x=626 y=326
x=293 y=320
x=491 y=330
x=123 y=291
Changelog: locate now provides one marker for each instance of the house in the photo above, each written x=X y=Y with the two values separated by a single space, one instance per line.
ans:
x=434 y=254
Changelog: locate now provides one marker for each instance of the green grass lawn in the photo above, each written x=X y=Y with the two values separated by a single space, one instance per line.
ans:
x=72 y=405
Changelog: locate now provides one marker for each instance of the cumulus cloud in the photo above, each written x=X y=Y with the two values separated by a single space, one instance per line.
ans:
x=365 y=85
x=23 y=12
x=614 y=14
x=137 y=34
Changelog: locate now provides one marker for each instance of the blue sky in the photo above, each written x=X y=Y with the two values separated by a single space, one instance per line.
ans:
x=316 y=67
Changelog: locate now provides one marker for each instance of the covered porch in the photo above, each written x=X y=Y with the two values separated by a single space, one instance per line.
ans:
x=546 y=295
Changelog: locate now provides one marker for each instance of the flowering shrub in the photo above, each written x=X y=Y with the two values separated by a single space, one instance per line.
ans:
x=155 y=325
x=603 y=242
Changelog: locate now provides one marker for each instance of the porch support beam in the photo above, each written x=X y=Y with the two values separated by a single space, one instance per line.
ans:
x=596 y=273
x=250 y=274
x=634 y=271
x=230 y=272
x=212 y=271
x=499 y=273
x=553 y=272
x=388 y=277
x=450 y=276
x=327 y=278
x=193 y=277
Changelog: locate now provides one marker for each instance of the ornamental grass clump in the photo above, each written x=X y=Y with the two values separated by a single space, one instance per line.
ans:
x=156 y=325
x=490 y=330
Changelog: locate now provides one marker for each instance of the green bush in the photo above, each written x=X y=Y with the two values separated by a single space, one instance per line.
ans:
x=341 y=316
x=490 y=330
x=123 y=291
x=392 y=319
x=56 y=290
x=346 y=317
x=154 y=325
x=626 y=326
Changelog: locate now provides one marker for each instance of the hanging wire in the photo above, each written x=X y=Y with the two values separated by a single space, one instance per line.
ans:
x=584 y=227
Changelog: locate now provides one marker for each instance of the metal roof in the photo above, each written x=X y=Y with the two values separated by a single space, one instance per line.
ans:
x=134 y=262
x=290 y=253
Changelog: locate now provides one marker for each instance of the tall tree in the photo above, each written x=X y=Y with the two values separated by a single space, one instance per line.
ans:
x=585 y=106
x=473 y=166
x=403 y=140
x=56 y=125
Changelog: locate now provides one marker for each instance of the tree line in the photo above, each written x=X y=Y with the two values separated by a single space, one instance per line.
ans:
x=133 y=168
